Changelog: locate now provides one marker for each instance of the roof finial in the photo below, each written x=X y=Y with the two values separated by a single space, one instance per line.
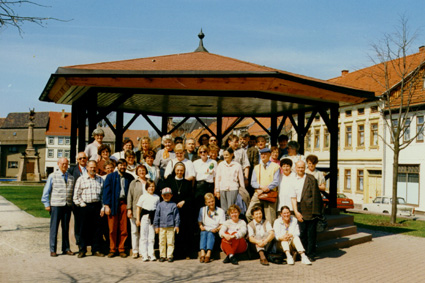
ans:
x=201 y=47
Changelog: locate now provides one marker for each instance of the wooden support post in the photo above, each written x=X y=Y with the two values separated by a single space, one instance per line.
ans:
x=301 y=131
x=82 y=119
x=119 y=130
x=333 y=158
x=219 y=131
x=273 y=130
x=74 y=125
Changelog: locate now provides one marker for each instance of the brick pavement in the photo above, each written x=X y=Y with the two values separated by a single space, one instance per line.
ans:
x=25 y=258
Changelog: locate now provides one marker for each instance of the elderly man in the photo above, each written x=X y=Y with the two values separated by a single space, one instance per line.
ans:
x=115 y=201
x=307 y=205
x=77 y=171
x=190 y=152
x=88 y=196
x=265 y=178
x=57 y=199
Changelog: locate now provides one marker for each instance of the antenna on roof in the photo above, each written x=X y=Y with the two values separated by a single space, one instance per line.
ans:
x=201 y=47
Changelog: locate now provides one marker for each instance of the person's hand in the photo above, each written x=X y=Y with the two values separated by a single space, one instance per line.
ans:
x=215 y=230
x=180 y=204
x=107 y=210
x=156 y=230
x=137 y=222
x=259 y=191
x=228 y=237
x=266 y=189
x=299 y=216
x=129 y=213
x=177 y=229
x=246 y=182
x=217 y=195
x=202 y=227
x=102 y=212
x=47 y=208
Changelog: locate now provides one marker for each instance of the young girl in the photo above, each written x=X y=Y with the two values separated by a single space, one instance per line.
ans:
x=146 y=207
x=136 y=189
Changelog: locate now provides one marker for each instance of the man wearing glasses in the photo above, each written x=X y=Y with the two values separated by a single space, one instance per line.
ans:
x=77 y=171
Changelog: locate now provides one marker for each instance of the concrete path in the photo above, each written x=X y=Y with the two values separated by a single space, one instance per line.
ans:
x=25 y=258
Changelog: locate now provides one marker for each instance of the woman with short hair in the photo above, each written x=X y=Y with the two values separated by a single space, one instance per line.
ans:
x=104 y=152
x=144 y=148
x=164 y=155
x=127 y=144
x=205 y=170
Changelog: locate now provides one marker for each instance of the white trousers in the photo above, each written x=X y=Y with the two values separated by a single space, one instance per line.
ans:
x=295 y=242
x=135 y=236
x=147 y=237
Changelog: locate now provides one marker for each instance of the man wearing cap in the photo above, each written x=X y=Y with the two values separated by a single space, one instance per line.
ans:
x=91 y=149
x=265 y=178
x=57 y=199
x=115 y=192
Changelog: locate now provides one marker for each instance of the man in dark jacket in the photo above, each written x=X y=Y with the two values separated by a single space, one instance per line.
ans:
x=307 y=204
x=115 y=201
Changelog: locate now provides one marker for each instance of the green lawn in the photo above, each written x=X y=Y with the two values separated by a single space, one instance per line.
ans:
x=27 y=198
x=406 y=226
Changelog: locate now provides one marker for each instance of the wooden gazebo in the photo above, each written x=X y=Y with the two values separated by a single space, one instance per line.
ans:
x=197 y=84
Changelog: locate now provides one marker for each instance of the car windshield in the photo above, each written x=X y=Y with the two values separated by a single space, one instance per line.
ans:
x=377 y=200
x=341 y=196
x=399 y=201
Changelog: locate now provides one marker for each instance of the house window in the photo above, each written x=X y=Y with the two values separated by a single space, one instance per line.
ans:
x=317 y=138
x=374 y=109
x=374 y=134
x=347 y=179
x=13 y=149
x=67 y=141
x=12 y=164
x=360 y=135
x=308 y=140
x=327 y=138
x=348 y=136
x=419 y=128
x=61 y=140
x=360 y=111
x=348 y=113
x=360 y=180
x=50 y=153
x=317 y=118
x=406 y=136
x=67 y=153
x=51 y=140
x=408 y=183
x=60 y=153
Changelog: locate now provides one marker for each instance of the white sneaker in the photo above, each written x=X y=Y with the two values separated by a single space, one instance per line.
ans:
x=305 y=260
x=145 y=259
x=289 y=260
x=152 y=258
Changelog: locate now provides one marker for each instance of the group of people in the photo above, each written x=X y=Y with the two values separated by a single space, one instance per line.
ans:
x=188 y=195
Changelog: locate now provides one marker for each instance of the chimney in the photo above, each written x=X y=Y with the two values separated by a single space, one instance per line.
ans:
x=63 y=114
x=422 y=48
x=344 y=73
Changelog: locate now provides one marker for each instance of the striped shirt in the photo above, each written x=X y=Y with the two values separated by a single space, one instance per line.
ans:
x=88 y=190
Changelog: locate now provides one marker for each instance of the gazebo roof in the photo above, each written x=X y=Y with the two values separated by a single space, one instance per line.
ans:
x=198 y=84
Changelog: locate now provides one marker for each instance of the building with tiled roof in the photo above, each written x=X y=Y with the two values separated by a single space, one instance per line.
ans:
x=365 y=162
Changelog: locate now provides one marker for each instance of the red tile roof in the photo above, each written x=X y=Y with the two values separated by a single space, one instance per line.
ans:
x=59 y=124
x=135 y=135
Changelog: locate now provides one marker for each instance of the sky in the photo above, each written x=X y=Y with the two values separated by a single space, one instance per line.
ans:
x=312 y=38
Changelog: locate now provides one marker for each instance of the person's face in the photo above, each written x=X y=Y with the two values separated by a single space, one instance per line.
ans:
x=105 y=154
x=213 y=140
x=149 y=160
x=82 y=159
x=210 y=203
x=179 y=171
x=141 y=172
x=203 y=153
x=213 y=154
x=122 y=167
x=234 y=144
x=167 y=197
x=130 y=159
x=243 y=141
x=286 y=215
x=300 y=168
x=275 y=154
x=127 y=146
x=109 y=169
x=91 y=169
x=265 y=157
x=180 y=155
x=98 y=138
x=190 y=145
x=168 y=145
x=151 y=188
x=145 y=145
x=261 y=143
x=286 y=169
x=292 y=151
x=63 y=164
x=227 y=156
x=258 y=215
x=311 y=166
x=234 y=215
x=283 y=144
x=204 y=141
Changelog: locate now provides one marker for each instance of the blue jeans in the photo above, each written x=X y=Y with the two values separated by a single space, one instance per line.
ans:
x=207 y=240
x=62 y=215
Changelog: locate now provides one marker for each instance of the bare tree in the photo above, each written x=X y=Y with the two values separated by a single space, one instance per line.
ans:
x=10 y=17
x=399 y=76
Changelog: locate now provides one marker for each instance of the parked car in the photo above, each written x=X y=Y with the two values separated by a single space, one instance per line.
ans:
x=342 y=202
x=384 y=205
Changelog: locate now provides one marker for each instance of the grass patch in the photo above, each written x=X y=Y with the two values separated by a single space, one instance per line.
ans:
x=27 y=198
x=405 y=226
